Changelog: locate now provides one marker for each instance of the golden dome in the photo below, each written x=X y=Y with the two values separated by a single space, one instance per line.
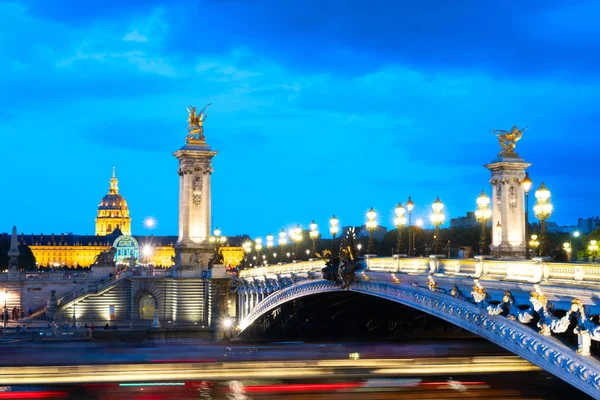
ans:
x=113 y=211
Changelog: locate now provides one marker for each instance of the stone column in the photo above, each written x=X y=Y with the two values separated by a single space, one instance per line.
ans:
x=508 y=204
x=195 y=167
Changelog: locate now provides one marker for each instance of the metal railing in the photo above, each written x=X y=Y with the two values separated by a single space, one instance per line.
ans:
x=533 y=271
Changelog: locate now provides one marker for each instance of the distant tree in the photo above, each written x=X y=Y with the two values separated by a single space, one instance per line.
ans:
x=26 y=259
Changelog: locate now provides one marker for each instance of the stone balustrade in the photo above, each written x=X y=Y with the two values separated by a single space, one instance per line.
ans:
x=531 y=271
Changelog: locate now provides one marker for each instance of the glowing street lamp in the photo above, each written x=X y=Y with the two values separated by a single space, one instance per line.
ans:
x=359 y=247
x=437 y=219
x=534 y=243
x=567 y=249
x=371 y=226
x=334 y=228
x=418 y=225
x=543 y=210
x=526 y=183
x=297 y=238
x=149 y=223
x=483 y=214
x=314 y=235
x=409 y=206
x=270 y=242
x=400 y=221
x=593 y=248
x=282 y=242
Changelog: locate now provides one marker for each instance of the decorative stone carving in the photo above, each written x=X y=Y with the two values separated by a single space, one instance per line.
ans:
x=547 y=321
x=197 y=189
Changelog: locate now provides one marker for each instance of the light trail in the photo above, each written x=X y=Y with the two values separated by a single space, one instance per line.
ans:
x=185 y=371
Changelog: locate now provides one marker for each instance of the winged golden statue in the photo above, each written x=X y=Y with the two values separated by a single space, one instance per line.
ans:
x=508 y=139
x=195 y=122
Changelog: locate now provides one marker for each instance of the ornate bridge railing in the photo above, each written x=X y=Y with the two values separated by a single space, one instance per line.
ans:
x=532 y=271
x=519 y=304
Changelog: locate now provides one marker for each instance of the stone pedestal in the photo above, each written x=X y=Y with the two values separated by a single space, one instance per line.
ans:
x=193 y=249
x=508 y=205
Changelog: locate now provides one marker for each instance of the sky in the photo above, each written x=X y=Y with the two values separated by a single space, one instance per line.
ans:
x=318 y=107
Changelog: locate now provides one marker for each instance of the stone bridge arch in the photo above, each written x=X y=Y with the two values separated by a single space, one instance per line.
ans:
x=140 y=289
x=547 y=352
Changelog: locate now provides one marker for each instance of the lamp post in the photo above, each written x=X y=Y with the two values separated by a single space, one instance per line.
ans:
x=269 y=242
x=483 y=215
x=297 y=238
x=359 y=247
x=409 y=206
x=314 y=235
x=534 y=243
x=526 y=187
x=334 y=227
x=437 y=218
x=543 y=210
x=593 y=247
x=258 y=247
x=567 y=249
x=371 y=226
x=282 y=243
x=400 y=221
x=218 y=239
x=418 y=225
x=574 y=235
x=499 y=234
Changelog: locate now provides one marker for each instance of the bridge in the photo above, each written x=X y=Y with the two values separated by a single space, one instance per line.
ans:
x=525 y=306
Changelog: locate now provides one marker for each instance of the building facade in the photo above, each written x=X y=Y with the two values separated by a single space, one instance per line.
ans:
x=113 y=229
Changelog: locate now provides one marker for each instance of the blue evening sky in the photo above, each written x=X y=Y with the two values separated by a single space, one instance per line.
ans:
x=319 y=107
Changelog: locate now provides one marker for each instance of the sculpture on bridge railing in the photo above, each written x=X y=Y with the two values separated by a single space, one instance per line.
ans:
x=547 y=321
x=342 y=268
x=509 y=308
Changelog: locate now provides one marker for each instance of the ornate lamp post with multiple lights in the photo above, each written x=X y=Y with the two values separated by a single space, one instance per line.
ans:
x=297 y=238
x=371 y=226
x=270 y=243
x=258 y=247
x=411 y=244
x=567 y=249
x=314 y=235
x=543 y=210
x=334 y=227
x=437 y=219
x=400 y=221
x=593 y=248
x=526 y=187
x=483 y=215
x=534 y=243
x=282 y=242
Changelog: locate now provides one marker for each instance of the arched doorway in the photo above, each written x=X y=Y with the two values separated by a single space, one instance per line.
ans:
x=147 y=307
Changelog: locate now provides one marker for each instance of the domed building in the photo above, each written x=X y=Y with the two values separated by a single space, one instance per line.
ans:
x=113 y=212
x=113 y=229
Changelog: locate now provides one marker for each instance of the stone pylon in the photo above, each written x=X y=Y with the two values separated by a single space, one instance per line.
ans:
x=193 y=249
x=13 y=253
x=508 y=203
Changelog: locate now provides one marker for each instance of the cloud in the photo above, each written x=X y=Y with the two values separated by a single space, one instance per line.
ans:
x=350 y=111
x=135 y=36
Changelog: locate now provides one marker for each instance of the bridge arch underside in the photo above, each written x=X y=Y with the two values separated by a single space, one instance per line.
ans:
x=349 y=315
x=549 y=353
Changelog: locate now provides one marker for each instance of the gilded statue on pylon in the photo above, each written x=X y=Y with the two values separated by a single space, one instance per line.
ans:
x=508 y=139
x=195 y=122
